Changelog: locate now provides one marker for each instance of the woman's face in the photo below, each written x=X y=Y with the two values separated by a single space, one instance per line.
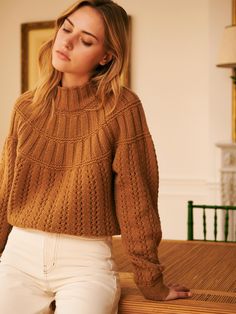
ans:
x=79 y=45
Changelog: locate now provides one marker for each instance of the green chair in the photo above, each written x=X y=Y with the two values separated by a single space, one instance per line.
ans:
x=215 y=208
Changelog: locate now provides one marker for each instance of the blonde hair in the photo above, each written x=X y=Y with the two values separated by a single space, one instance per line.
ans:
x=106 y=77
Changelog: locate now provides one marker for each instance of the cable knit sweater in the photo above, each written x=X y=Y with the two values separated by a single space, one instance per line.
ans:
x=83 y=172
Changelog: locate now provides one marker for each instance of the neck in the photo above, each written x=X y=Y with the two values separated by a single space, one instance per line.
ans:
x=71 y=80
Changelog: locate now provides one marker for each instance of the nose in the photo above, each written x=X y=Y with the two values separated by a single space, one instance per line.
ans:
x=68 y=44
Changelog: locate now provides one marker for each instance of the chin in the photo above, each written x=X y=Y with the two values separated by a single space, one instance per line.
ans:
x=57 y=66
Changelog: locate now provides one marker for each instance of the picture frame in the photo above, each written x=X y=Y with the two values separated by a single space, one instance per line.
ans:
x=33 y=35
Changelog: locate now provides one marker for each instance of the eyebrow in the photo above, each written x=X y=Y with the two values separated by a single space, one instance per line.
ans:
x=83 y=31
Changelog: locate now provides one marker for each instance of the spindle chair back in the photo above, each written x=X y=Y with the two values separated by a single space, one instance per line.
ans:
x=216 y=208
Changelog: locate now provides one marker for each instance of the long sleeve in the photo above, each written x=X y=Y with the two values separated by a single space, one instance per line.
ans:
x=136 y=192
x=8 y=156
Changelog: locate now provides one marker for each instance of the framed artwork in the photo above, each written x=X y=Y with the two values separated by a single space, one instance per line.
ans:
x=33 y=35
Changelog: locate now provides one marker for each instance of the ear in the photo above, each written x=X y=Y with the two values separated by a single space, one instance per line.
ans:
x=106 y=58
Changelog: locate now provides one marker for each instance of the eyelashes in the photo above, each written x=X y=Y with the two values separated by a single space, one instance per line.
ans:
x=66 y=30
x=85 y=43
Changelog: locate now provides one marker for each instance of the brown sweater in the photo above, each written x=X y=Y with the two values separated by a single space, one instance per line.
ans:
x=83 y=172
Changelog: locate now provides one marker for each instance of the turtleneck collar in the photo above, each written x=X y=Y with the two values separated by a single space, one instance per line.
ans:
x=75 y=98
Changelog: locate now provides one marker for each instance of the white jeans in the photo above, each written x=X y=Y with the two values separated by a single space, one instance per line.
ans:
x=38 y=267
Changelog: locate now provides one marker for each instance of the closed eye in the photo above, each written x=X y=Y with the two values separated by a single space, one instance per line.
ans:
x=86 y=43
x=66 y=30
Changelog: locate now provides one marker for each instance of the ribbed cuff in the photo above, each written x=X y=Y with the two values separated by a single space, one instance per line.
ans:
x=157 y=292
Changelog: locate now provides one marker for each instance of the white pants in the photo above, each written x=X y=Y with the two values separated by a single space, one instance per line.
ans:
x=37 y=267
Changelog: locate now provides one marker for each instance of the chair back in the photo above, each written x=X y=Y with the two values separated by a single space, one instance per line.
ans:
x=226 y=210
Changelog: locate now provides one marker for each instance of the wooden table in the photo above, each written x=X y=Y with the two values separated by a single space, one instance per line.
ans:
x=207 y=268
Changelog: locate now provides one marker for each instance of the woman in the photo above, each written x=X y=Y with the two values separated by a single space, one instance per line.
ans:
x=79 y=166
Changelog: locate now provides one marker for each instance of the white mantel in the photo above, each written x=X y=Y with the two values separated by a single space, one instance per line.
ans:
x=228 y=173
x=228 y=181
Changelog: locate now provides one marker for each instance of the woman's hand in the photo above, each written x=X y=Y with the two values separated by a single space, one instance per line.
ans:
x=178 y=292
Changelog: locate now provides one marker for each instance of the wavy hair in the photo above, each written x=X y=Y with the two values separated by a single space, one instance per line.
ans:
x=107 y=77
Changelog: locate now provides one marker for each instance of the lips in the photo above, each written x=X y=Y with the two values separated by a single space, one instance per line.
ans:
x=62 y=55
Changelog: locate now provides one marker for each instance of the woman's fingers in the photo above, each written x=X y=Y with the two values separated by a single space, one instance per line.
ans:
x=178 y=292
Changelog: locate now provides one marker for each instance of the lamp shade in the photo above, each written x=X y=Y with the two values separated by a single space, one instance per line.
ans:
x=227 y=52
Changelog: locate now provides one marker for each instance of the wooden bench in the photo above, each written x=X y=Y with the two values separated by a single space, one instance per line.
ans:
x=209 y=269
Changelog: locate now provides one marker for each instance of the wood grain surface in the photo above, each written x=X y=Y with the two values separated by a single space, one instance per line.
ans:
x=207 y=268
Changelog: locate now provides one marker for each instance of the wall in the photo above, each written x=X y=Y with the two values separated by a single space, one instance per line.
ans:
x=186 y=97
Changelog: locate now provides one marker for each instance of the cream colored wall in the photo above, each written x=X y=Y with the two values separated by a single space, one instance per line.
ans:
x=186 y=98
